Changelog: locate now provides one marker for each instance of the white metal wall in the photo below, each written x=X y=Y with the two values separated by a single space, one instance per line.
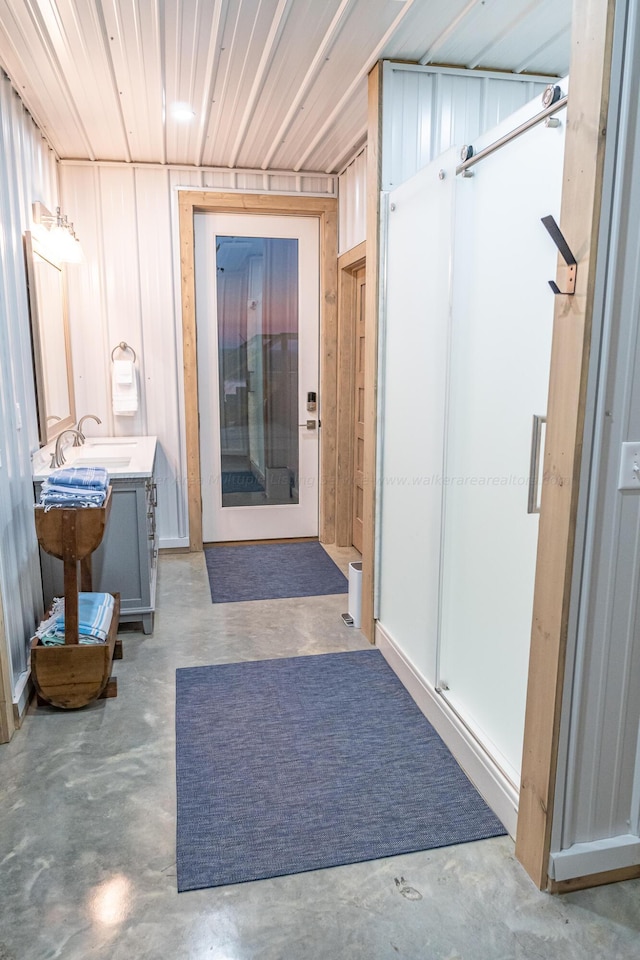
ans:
x=128 y=289
x=352 y=203
x=426 y=110
x=27 y=173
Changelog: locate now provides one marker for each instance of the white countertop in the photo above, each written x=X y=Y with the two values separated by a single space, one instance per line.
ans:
x=123 y=457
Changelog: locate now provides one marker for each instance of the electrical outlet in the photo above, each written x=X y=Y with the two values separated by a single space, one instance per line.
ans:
x=629 y=477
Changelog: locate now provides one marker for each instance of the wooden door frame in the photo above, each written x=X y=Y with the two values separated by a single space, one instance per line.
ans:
x=348 y=265
x=325 y=209
x=372 y=304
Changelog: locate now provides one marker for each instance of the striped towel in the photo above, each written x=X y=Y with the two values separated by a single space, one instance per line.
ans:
x=95 y=478
x=75 y=487
x=95 y=612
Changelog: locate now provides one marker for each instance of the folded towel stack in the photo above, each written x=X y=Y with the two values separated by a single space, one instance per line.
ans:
x=75 y=487
x=95 y=612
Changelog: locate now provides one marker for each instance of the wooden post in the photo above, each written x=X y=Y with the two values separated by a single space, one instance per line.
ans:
x=374 y=134
x=592 y=40
x=7 y=724
x=70 y=560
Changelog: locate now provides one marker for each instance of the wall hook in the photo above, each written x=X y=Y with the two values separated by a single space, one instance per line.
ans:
x=558 y=238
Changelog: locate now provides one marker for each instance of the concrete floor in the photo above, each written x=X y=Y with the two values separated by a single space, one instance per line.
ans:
x=87 y=837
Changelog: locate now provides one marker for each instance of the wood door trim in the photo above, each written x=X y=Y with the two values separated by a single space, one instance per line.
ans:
x=374 y=180
x=587 y=115
x=594 y=880
x=348 y=265
x=354 y=258
x=326 y=210
x=7 y=722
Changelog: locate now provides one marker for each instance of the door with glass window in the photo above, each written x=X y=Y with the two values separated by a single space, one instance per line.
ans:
x=257 y=316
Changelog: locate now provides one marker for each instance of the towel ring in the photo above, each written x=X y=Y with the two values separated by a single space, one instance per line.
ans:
x=123 y=346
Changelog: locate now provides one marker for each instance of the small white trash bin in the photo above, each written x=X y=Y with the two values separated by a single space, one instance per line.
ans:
x=355 y=592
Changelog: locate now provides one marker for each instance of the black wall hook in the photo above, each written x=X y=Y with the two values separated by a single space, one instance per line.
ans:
x=558 y=238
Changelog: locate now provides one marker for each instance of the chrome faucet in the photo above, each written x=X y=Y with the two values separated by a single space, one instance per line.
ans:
x=87 y=416
x=57 y=457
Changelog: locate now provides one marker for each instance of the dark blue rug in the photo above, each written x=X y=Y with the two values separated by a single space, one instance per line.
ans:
x=240 y=481
x=270 y=571
x=310 y=762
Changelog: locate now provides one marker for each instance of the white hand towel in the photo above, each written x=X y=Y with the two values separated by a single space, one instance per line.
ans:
x=124 y=396
x=123 y=370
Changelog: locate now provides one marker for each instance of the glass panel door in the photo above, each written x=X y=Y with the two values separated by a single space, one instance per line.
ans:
x=257 y=320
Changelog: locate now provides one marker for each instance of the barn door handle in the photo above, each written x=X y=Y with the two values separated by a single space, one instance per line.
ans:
x=534 y=466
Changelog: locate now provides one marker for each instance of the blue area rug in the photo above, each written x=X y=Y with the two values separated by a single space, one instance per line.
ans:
x=302 y=763
x=240 y=481
x=270 y=571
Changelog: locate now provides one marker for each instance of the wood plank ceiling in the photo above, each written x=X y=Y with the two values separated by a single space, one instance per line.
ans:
x=269 y=84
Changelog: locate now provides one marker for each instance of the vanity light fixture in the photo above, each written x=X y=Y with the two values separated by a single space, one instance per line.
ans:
x=58 y=233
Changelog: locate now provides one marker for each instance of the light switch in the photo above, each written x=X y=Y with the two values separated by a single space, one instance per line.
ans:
x=629 y=477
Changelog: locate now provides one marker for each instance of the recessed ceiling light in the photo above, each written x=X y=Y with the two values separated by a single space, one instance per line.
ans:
x=182 y=112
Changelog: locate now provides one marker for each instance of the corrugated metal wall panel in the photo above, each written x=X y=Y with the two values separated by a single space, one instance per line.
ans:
x=219 y=179
x=126 y=218
x=250 y=181
x=34 y=70
x=263 y=79
x=87 y=302
x=75 y=32
x=241 y=45
x=326 y=186
x=128 y=289
x=525 y=39
x=523 y=24
x=27 y=174
x=427 y=111
x=285 y=183
x=352 y=202
x=135 y=58
x=161 y=342
x=305 y=17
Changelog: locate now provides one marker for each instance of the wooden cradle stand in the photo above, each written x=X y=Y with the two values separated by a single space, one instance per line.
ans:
x=72 y=675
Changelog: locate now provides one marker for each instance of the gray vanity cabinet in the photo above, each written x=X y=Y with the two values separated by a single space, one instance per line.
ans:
x=126 y=560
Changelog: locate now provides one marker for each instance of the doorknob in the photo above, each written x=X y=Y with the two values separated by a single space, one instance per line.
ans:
x=310 y=424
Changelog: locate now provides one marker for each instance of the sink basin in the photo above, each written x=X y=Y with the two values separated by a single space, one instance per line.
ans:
x=101 y=454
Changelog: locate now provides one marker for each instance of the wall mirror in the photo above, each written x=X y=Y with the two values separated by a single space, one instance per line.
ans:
x=50 y=339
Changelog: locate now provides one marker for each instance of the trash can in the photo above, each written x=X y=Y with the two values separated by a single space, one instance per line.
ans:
x=355 y=592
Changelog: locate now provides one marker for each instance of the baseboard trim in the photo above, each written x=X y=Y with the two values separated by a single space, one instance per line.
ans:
x=490 y=781
x=593 y=880
x=21 y=697
x=583 y=860
x=173 y=543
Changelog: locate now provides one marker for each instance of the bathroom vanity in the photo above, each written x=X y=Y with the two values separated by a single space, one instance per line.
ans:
x=126 y=560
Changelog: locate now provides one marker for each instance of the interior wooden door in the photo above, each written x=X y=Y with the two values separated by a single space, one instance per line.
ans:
x=358 y=406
